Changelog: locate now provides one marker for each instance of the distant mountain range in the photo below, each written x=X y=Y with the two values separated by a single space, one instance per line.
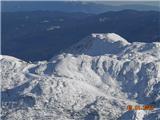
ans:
x=87 y=7
x=39 y=35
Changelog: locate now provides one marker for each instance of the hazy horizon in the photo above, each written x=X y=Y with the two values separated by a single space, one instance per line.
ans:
x=113 y=2
x=152 y=3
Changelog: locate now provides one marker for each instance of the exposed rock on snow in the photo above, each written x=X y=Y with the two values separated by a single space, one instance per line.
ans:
x=96 y=79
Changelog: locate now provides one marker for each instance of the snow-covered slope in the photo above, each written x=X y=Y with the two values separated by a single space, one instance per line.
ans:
x=96 y=79
x=100 y=44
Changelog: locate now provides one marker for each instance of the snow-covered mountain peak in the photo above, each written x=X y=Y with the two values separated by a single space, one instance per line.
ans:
x=110 y=37
x=99 y=44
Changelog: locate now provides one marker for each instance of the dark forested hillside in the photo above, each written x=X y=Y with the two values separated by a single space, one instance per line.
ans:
x=40 y=35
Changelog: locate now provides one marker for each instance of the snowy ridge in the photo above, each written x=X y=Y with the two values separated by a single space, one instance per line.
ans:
x=112 y=37
x=96 y=79
x=99 y=44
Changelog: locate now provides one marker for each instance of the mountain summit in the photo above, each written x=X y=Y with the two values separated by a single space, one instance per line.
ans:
x=110 y=37
x=100 y=44
x=96 y=79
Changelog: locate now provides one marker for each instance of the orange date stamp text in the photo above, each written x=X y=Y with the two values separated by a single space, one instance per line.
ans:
x=138 y=107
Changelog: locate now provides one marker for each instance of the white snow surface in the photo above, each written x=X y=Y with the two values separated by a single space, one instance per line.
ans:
x=95 y=79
